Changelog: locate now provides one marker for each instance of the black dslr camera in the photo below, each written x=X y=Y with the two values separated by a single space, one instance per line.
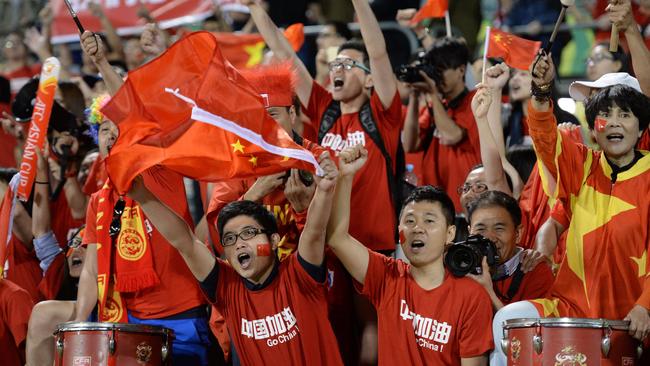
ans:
x=466 y=256
x=305 y=177
x=410 y=73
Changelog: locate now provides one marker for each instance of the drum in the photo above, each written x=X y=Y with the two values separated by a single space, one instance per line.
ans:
x=569 y=342
x=112 y=344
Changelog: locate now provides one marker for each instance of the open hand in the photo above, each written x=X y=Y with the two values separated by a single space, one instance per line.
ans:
x=531 y=259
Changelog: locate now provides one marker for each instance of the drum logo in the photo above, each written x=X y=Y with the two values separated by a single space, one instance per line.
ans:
x=515 y=348
x=131 y=244
x=570 y=357
x=143 y=353
x=81 y=361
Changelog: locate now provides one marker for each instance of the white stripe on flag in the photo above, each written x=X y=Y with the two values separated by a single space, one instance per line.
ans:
x=204 y=116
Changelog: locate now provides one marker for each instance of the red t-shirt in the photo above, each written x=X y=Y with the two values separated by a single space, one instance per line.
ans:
x=24 y=269
x=7 y=143
x=534 y=285
x=447 y=166
x=62 y=222
x=284 y=323
x=162 y=300
x=372 y=221
x=15 y=309
x=420 y=327
x=97 y=176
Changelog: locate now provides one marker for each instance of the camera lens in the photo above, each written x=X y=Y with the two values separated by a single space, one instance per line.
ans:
x=460 y=260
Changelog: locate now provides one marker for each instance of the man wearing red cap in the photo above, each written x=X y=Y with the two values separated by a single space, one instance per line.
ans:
x=287 y=194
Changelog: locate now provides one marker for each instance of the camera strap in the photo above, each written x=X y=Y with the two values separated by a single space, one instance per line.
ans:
x=517 y=278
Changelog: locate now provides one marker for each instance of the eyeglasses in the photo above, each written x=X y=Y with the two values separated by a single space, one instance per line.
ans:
x=116 y=223
x=599 y=57
x=476 y=188
x=347 y=65
x=247 y=233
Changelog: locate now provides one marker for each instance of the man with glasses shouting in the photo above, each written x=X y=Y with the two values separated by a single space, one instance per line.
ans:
x=275 y=312
x=362 y=84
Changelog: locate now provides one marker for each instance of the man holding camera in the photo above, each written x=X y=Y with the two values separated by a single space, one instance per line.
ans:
x=446 y=129
x=425 y=315
x=286 y=195
x=496 y=216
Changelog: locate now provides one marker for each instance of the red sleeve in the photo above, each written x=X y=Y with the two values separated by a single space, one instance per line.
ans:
x=380 y=269
x=559 y=214
x=387 y=118
x=90 y=232
x=306 y=283
x=475 y=338
x=563 y=159
x=319 y=99
x=536 y=283
x=19 y=306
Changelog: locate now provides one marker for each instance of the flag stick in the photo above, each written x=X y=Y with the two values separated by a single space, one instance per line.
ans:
x=485 y=52
x=74 y=17
x=448 y=23
x=613 y=39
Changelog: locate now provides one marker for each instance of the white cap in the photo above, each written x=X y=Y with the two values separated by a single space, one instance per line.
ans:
x=580 y=90
x=232 y=5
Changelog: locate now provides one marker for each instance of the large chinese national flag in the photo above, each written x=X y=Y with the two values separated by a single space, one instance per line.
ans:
x=432 y=9
x=191 y=111
x=247 y=50
x=516 y=52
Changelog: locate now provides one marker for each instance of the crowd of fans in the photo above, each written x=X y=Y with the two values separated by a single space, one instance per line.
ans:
x=350 y=267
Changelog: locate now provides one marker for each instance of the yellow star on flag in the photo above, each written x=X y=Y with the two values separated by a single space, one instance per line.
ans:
x=591 y=210
x=550 y=306
x=237 y=146
x=641 y=262
x=497 y=38
x=285 y=158
x=253 y=160
x=255 y=53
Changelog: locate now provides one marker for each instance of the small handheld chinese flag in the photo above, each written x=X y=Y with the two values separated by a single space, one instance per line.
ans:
x=515 y=51
x=38 y=127
x=432 y=9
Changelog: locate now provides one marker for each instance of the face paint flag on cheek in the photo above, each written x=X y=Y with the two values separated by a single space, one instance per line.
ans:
x=264 y=250
x=600 y=124
x=402 y=237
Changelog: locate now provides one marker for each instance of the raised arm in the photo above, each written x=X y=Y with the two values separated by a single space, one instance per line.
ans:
x=87 y=292
x=350 y=252
x=411 y=131
x=197 y=256
x=494 y=175
x=311 y=245
x=281 y=48
x=383 y=79
x=620 y=13
x=93 y=46
x=41 y=206
x=112 y=38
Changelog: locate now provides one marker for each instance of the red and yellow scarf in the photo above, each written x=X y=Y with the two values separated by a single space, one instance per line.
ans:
x=132 y=268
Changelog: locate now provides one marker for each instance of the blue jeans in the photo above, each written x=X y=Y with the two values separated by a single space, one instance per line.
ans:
x=191 y=341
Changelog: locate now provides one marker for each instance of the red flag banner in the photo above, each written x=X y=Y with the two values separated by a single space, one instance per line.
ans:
x=247 y=50
x=192 y=112
x=432 y=9
x=123 y=15
x=38 y=127
x=515 y=51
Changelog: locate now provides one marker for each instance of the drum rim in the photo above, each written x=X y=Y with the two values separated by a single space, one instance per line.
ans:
x=132 y=328
x=567 y=323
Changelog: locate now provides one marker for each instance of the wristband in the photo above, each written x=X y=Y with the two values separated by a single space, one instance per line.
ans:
x=37 y=182
x=542 y=91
